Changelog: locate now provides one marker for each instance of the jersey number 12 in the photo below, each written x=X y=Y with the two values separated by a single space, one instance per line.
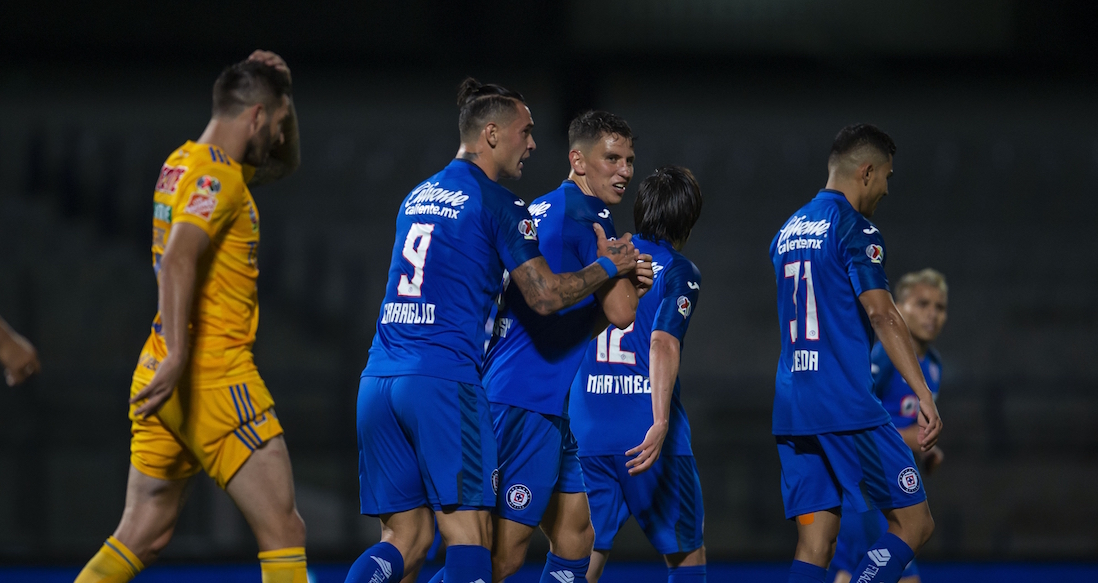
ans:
x=811 y=319
x=417 y=256
x=609 y=349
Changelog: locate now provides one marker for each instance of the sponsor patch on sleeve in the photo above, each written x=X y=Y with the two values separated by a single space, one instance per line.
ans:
x=684 y=306
x=875 y=253
x=528 y=230
x=201 y=205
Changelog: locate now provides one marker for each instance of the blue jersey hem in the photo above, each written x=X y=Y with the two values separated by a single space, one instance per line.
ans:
x=833 y=428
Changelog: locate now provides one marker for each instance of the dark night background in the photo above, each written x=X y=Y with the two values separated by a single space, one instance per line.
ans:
x=991 y=104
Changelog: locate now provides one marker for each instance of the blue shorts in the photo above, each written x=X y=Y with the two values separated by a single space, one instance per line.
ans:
x=857 y=470
x=857 y=533
x=423 y=441
x=666 y=501
x=537 y=456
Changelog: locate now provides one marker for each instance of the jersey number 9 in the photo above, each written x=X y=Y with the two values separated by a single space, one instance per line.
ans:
x=417 y=256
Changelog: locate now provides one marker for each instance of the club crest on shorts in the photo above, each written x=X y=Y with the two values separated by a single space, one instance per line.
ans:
x=684 y=306
x=875 y=252
x=909 y=480
x=495 y=482
x=528 y=230
x=518 y=497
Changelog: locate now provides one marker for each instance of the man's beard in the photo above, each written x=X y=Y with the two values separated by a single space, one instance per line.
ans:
x=257 y=150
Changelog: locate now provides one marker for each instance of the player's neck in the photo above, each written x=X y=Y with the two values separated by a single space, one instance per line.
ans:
x=226 y=135
x=484 y=162
x=581 y=182
x=850 y=189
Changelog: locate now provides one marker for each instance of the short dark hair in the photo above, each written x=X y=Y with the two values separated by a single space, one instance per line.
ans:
x=480 y=103
x=591 y=125
x=669 y=202
x=858 y=136
x=247 y=83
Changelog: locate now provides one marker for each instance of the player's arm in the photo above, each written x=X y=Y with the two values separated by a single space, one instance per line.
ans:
x=546 y=292
x=18 y=357
x=663 y=369
x=285 y=158
x=619 y=297
x=896 y=339
x=178 y=272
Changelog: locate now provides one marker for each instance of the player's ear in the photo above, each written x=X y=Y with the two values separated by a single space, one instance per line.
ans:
x=491 y=133
x=578 y=162
x=867 y=172
x=257 y=116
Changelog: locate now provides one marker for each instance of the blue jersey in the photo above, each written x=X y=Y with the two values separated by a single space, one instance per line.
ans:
x=611 y=398
x=532 y=358
x=825 y=256
x=456 y=233
x=893 y=391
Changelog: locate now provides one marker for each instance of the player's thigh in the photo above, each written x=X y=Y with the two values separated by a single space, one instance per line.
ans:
x=667 y=503
x=263 y=489
x=156 y=450
x=808 y=482
x=464 y=527
x=390 y=480
x=449 y=426
x=606 y=497
x=411 y=532
x=874 y=468
x=530 y=451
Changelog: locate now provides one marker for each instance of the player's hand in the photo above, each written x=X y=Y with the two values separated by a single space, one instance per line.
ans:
x=642 y=275
x=271 y=60
x=161 y=387
x=932 y=459
x=648 y=451
x=930 y=425
x=620 y=250
x=19 y=359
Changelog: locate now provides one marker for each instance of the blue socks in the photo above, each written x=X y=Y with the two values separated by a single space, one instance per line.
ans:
x=885 y=561
x=802 y=572
x=467 y=564
x=381 y=563
x=558 y=570
x=438 y=576
x=695 y=574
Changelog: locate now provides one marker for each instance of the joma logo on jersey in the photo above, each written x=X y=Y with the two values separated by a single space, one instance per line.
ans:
x=806 y=360
x=169 y=178
x=428 y=192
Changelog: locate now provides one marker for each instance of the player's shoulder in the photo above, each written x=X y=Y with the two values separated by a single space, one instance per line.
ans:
x=684 y=267
x=581 y=207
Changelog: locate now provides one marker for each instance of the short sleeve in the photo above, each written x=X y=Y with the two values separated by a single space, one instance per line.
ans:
x=863 y=252
x=881 y=369
x=210 y=201
x=681 y=288
x=587 y=248
x=513 y=229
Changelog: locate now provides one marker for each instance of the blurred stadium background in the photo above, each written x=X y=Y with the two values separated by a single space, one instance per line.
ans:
x=992 y=105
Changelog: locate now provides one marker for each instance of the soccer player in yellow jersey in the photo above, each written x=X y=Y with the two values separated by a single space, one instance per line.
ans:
x=197 y=400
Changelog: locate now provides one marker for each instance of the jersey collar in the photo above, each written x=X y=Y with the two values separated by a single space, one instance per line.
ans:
x=829 y=194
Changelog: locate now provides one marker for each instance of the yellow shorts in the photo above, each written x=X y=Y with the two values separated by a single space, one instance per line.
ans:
x=215 y=430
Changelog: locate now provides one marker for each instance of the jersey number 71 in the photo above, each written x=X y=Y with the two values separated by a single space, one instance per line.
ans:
x=811 y=319
x=417 y=256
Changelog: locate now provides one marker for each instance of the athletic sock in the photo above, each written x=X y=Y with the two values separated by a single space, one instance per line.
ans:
x=468 y=564
x=694 y=574
x=284 y=565
x=885 y=561
x=114 y=563
x=558 y=570
x=802 y=572
x=380 y=563
x=438 y=576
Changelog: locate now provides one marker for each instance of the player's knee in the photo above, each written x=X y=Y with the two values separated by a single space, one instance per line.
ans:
x=586 y=538
x=507 y=563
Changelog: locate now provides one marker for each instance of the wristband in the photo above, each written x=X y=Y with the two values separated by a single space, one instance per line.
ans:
x=608 y=265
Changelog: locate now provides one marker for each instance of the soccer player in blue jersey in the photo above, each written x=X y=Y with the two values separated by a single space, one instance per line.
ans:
x=836 y=443
x=627 y=393
x=922 y=298
x=533 y=357
x=424 y=431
